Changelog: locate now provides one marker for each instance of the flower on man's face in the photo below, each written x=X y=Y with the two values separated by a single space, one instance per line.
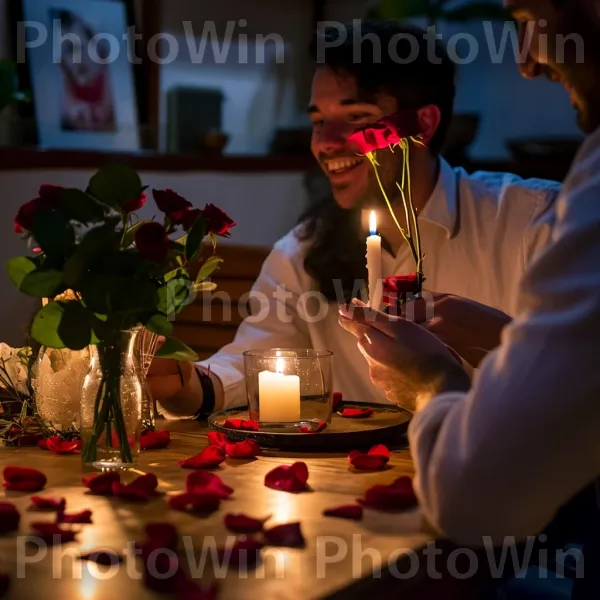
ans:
x=217 y=220
x=172 y=204
x=152 y=242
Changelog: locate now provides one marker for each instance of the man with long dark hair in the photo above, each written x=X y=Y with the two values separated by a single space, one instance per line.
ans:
x=479 y=232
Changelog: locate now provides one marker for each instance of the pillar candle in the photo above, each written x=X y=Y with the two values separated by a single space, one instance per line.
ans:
x=278 y=396
x=374 y=266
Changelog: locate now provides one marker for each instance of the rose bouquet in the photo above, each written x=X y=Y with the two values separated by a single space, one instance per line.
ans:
x=122 y=273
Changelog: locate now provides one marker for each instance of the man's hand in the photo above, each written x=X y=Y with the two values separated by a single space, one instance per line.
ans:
x=471 y=329
x=409 y=363
x=166 y=378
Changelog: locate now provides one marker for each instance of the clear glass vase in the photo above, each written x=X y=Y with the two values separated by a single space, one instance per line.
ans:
x=111 y=403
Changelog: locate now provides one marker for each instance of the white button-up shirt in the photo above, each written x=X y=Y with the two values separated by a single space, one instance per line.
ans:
x=479 y=232
x=501 y=459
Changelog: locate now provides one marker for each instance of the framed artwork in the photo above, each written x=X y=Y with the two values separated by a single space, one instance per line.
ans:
x=79 y=68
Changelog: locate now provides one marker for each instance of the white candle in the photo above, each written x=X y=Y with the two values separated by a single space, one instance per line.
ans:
x=374 y=266
x=278 y=395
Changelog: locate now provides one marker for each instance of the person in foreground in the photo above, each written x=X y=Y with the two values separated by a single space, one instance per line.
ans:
x=501 y=457
x=471 y=226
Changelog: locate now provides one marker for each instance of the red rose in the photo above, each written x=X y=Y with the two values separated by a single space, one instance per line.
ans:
x=172 y=204
x=152 y=242
x=48 y=199
x=189 y=218
x=398 y=286
x=388 y=131
x=135 y=203
x=217 y=220
x=50 y=193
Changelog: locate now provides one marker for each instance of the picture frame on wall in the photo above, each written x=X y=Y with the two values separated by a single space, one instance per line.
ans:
x=84 y=85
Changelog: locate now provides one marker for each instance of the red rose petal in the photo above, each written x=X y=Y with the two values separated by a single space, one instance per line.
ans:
x=202 y=502
x=291 y=478
x=241 y=523
x=51 y=533
x=216 y=438
x=58 y=446
x=106 y=558
x=337 y=400
x=210 y=458
x=350 y=511
x=141 y=488
x=243 y=553
x=288 y=534
x=9 y=517
x=399 y=495
x=356 y=413
x=245 y=425
x=377 y=457
x=201 y=481
x=161 y=536
x=82 y=517
x=28 y=439
x=152 y=440
x=245 y=449
x=321 y=425
x=101 y=485
x=23 y=479
x=4 y=584
x=43 y=444
x=57 y=504
x=163 y=574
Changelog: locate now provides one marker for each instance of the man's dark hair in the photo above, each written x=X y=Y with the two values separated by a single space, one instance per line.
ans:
x=336 y=247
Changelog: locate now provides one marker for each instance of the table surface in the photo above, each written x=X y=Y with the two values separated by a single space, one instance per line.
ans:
x=339 y=558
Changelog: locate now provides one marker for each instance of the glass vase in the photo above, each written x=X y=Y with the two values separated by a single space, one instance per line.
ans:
x=111 y=403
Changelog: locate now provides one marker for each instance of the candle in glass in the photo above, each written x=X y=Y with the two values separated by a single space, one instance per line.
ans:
x=374 y=266
x=278 y=395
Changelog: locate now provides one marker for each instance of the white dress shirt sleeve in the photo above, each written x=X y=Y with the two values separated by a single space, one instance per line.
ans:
x=501 y=459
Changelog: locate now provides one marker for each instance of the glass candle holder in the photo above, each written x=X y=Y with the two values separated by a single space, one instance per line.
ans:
x=288 y=388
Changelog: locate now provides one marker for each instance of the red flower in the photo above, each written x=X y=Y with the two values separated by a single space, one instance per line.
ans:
x=291 y=478
x=244 y=524
x=399 y=495
x=201 y=502
x=397 y=287
x=245 y=425
x=51 y=533
x=152 y=241
x=244 y=553
x=48 y=199
x=172 y=204
x=189 y=218
x=57 y=445
x=53 y=504
x=201 y=481
x=101 y=485
x=50 y=194
x=16 y=435
x=337 y=401
x=152 y=440
x=106 y=558
x=141 y=488
x=289 y=535
x=350 y=511
x=377 y=457
x=9 y=517
x=321 y=425
x=216 y=438
x=386 y=132
x=245 y=449
x=217 y=220
x=210 y=458
x=24 y=479
x=356 y=413
x=135 y=203
x=84 y=516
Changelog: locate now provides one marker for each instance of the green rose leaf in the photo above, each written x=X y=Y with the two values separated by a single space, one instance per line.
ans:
x=176 y=350
x=19 y=268
x=33 y=280
x=54 y=233
x=160 y=325
x=44 y=328
x=175 y=294
x=208 y=268
x=75 y=329
x=195 y=237
x=115 y=185
x=81 y=207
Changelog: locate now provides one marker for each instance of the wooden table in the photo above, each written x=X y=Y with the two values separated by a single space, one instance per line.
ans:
x=342 y=558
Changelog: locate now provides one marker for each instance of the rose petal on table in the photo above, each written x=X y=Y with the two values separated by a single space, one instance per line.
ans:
x=29 y=439
x=9 y=517
x=337 y=401
x=203 y=481
x=106 y=558
x=58 y=446
x=23 y=479
x=160 y=536
x=52 y=534
x=399 y=495
x=43 y=444
x=356 y=413
x=286 y=478
x=244 y=449
x=216 y=438
x=163 y=574
x=210 y=458
x=308 y=429
x=350 y=511
x=376 y=458
x=240 y=523
x=288 y=535
x=50 y=504
x=241 y=424
x=203 y=502
x=101 y=484
x=81 y=517
x=153 y=440
x=141 y=488
x=244 y=553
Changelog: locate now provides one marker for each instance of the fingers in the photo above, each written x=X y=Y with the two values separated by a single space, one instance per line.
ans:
x=361 y=314
x=378 y=348
x=161 y=367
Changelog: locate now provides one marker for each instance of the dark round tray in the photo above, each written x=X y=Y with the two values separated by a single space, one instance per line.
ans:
x=387 y=425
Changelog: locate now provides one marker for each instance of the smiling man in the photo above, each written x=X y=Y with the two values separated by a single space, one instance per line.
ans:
x=479 y=232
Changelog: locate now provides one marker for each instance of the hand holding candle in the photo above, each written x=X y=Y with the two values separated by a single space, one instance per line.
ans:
x=374 y=266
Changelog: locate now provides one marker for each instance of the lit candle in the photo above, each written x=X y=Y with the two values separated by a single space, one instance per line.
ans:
x=278 y=395
x=374 y=264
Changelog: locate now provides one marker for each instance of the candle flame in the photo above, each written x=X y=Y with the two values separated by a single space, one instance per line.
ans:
x=279 y=366
x=373 y=222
